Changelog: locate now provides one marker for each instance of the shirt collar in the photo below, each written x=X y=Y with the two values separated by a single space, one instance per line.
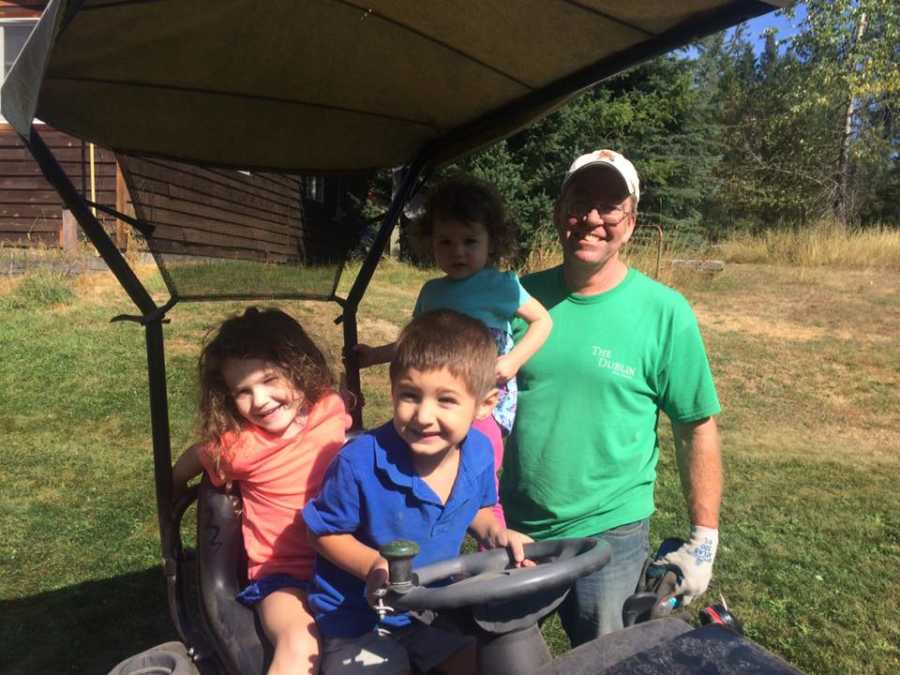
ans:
x=392 y=458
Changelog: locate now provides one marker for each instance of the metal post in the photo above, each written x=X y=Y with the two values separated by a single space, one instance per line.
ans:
x=159 y=415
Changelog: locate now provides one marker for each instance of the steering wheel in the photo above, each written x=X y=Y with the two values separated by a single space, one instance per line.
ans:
x=490 y=576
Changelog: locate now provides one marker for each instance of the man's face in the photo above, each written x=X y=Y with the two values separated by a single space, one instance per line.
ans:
x=594 y=217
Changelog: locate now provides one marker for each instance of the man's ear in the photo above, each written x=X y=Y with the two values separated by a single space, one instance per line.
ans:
x=633 y=218
x=486 y=407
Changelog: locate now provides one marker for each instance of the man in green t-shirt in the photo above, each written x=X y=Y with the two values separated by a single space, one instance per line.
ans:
x=581 y=459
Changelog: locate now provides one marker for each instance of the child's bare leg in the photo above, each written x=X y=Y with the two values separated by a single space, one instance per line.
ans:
x=291 y=629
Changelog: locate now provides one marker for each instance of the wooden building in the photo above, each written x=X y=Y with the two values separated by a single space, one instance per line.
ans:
x=238 y=214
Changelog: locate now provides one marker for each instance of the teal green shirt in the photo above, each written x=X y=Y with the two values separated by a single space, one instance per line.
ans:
x=582 y=455
x=491 y=296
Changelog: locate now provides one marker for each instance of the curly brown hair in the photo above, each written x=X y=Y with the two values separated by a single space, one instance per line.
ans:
x=467 y=199
x=270 y=335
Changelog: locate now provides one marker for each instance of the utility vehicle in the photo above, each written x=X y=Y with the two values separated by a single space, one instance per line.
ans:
x=341 y=88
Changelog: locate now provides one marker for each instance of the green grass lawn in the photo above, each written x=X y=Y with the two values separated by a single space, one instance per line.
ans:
x=807 y=362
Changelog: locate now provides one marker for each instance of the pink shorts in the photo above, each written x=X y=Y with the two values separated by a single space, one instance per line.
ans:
x=489 y=427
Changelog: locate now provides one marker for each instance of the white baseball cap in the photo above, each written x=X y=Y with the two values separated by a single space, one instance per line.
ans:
x=612 y=159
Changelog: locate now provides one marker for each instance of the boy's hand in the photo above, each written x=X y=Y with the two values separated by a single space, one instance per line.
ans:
x=499 y=537
x=376 y=579
x=516 y=543
x=506 y=369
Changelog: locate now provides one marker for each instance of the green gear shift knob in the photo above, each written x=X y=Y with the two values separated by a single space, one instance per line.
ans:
x=399 y=554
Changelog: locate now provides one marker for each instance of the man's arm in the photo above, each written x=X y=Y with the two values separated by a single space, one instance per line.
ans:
x=698 y=451
x=699 y=458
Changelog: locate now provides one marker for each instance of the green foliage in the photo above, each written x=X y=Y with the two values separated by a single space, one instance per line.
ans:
x=653 y=114
x=40 y=289
x=730 y=140
x=726 y=139
x=810 y=122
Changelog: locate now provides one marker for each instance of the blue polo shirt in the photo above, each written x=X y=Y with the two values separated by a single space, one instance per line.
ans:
x=372 y=491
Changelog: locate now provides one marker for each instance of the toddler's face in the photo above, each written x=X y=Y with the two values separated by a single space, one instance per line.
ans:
x=460 y=249
x=264 y=396
x=433 y=410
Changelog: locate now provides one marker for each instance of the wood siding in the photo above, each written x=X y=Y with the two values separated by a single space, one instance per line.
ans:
x=196 y=211
x=218 y=213
x=30 y=209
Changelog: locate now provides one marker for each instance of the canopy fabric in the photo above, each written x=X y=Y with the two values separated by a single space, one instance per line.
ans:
x=319 y=86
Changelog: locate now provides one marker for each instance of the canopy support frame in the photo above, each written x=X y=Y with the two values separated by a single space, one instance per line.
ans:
x=406 y=190
x=153 y=317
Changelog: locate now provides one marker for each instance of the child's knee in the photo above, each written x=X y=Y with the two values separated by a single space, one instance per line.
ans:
x=299 y=640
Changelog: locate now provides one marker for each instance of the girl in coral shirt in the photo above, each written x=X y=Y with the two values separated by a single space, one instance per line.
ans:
x=270 y=420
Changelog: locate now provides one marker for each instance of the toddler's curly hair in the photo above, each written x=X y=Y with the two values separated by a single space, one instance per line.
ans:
x=270 y=335
x=469 y=200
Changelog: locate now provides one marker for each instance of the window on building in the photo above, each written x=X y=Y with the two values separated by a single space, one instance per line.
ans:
x=13 y=34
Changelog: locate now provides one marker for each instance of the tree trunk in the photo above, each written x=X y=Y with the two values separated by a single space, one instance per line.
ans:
x=842 y=178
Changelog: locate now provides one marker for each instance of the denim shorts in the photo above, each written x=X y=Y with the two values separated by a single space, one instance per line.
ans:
x=260 y=588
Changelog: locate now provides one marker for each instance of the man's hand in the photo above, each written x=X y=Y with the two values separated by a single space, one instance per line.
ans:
x=695 y=558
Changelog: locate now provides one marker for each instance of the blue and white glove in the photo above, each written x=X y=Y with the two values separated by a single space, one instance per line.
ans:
x=695 y=558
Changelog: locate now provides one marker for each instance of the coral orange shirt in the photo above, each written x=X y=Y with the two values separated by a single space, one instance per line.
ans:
x=277 y=478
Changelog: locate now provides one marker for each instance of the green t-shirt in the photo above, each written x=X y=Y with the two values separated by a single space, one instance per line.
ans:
x=582 y=456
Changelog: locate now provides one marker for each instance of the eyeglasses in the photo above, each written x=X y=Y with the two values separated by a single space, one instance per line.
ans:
x=610 y=214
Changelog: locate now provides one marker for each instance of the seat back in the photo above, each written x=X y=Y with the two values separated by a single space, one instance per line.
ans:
x=239 y=640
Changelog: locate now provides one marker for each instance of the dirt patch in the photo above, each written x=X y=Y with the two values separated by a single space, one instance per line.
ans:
x=837 y=442
x=725 y=320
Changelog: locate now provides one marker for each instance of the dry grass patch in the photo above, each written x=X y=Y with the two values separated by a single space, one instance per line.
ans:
x=730 y=320
x=806 y=361
x=833 y=440
x=825 y=244
x=380 y=331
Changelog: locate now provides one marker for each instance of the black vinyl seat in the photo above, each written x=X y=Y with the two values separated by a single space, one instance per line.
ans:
x=236 y=634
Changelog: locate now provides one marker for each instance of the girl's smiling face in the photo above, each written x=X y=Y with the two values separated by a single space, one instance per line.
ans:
x=264 y=396
x=460 y=249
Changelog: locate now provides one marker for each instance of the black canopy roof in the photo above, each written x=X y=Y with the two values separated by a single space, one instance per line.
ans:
x=330 y=85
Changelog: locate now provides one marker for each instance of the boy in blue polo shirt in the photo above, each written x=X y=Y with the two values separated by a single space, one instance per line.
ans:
x=422 y=476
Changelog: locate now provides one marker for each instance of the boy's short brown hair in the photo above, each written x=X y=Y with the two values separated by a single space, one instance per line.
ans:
x=448 y=339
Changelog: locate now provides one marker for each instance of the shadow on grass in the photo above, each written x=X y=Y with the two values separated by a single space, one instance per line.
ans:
x=86 y=628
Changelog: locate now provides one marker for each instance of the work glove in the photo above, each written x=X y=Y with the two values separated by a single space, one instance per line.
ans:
x=695 y=560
